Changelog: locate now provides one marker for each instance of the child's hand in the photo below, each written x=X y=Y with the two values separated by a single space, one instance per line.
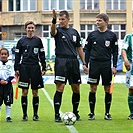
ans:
x=3 y=82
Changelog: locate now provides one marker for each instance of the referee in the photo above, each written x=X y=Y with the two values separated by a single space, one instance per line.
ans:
x=67 y=42
x=29 y=51
x=101 y=47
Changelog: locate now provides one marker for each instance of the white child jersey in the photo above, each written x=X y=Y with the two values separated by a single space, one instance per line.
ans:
x=6 y=70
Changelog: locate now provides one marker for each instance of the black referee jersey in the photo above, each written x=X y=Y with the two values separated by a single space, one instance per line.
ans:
x=100 y=46
x=30 y=51
x=66 y=41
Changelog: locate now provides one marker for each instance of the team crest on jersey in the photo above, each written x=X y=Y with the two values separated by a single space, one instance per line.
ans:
x=8 y=66
x=35 y=50
x=74 y=38
x=107 y=43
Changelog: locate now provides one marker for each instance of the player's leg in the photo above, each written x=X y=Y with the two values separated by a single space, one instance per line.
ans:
x=8 y=100
x=8 y=113
x=130 y=98
x=76 y=99
x=106 y=73
x=35 y=103
x=36 y=83
x=93 y=80
x=130 y=103
x=24 y=104
x=60 y=81
x=58 y=100
x=74 y=79
x=92 y=101
x=24 y=85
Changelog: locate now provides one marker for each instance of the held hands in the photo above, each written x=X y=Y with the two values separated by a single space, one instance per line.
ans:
x=3 y=82
x=17 y=73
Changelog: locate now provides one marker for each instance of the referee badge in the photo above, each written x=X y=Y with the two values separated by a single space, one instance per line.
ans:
x=107 y=43
x=74 y=38
x=35 y=50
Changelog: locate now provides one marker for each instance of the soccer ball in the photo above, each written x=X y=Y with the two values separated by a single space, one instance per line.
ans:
x=69 y=118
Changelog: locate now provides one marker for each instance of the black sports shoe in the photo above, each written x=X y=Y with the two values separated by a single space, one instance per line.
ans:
x=107 y=116
x=57 y=118
x=25 y=118
x=77 y=116
x=35 y=118
x=130 y=117
x=91 y=116
x=8 y=119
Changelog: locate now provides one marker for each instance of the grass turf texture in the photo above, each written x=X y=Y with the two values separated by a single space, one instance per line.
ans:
x=119 y=112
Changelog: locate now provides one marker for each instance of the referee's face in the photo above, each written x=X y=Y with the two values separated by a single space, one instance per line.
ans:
x=64 y=21
x=101 y=24
x=30 y=29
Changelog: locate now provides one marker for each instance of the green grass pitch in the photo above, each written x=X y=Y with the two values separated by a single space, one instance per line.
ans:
x=119 y=111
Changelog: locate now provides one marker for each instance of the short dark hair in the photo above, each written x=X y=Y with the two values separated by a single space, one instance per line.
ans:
x=4 y=49
x=29 y=22
x=103 y=16
x=64 y=13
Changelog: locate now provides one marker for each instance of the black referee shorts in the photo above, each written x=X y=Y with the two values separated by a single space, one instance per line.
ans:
x=67 y=69
x=97 y=69
x=30 y=74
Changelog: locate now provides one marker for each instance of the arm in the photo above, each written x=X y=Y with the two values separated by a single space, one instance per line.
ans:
x=81 y=55
x=53 y=26
x=18 y=52
x=87 y=50
x=42 y=57
x=126 y=62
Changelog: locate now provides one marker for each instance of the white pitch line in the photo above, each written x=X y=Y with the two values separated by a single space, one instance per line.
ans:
x=71 y=128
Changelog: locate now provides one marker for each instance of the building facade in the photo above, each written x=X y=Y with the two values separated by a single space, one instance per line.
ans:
x=14 y=14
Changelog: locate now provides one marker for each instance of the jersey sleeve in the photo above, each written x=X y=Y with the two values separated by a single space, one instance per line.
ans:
x=87 y=49
x=115 y=51
x=125 y=43
x=42 y=56
x=18 y=52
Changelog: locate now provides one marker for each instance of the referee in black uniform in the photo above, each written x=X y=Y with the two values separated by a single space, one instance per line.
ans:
x=29 y=52
x=101 y=47
x=67 y=42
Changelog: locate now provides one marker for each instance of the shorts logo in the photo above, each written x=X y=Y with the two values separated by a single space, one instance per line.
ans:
x=23 y=84
x=60 y=78
x=107 y=43
x=35 y=50
x=92 y=80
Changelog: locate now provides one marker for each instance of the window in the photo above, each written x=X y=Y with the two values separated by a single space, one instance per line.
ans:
x=58 y=4
x=89 y=4
x=0 y=5
x=116 y=4
x=120 y=30
x=86 y=29
x=18 y=35
x=46 y=31
x=47 y=28
x=21 y=5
